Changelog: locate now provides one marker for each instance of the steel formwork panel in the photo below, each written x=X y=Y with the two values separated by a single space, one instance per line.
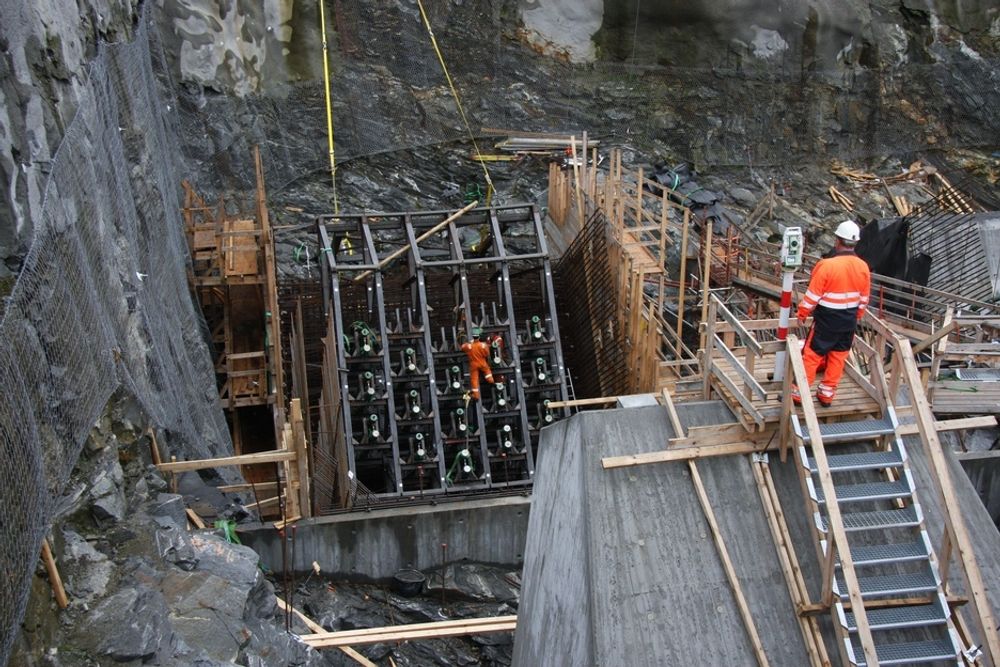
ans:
x=401 y=323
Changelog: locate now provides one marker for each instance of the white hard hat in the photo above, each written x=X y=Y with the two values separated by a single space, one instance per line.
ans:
x=849 y=231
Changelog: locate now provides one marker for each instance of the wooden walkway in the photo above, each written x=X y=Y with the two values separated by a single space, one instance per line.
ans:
x=852 y=399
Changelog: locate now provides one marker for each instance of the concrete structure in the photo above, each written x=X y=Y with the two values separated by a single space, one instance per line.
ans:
x=621 y=567
x=374 y=545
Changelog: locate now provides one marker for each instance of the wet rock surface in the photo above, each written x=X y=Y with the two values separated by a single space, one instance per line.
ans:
x=143 y=588
x=469 y=590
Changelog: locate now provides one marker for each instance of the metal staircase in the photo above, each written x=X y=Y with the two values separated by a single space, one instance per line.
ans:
x=884 y=545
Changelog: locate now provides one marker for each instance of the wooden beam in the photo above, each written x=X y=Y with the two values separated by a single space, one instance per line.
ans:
x=54 y=579
x=245 y=459
x=554 y=405
x=675 y=421
x=154 y=447
x=683 y=454
x=260 y=486
x=727 y=565
x=682 y=277
x=744 y=334
x=812 y=609
x=266 y=502
x=934 y=337
x=951 y=425
x=978 y=456
x=430 y=232
x=301 y=448
x=196 y=520
x=317 y=628
x=413 y=631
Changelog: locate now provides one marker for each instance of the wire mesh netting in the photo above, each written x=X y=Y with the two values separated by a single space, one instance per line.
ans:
x=102 y=303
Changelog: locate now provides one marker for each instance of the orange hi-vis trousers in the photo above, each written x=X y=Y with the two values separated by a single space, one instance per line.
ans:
x=834 y=360
x=478 y=352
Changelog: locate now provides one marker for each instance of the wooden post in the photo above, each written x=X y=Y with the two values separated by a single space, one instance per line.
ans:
x=707 y=270
x=708 y=327
x=576 y=181
x=727 y=565
x=154 y=448
x=54 y=579
x=300 y=446
x=292 y=508
x=683 y=274
x=173 y=477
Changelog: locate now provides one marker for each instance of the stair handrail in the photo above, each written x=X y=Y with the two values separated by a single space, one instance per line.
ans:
x=955 y=534
x=837 y=535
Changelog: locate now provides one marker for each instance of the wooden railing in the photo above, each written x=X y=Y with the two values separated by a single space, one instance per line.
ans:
x=743 y=368
x=912 y=309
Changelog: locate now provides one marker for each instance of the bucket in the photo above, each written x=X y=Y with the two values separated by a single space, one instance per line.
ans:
x=408 y=582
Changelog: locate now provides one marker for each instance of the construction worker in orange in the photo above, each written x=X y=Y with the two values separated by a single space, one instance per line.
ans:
x=837 y=297
x=478 y=353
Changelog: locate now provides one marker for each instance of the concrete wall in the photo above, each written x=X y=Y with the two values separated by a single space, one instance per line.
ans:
x=374 y=545
x=983 y=470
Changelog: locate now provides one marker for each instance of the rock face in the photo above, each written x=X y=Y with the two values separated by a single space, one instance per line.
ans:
x=471 y=590
x=145 y=590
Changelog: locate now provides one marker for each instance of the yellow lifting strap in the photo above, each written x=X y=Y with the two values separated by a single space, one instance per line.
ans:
x=486 y=172
x=329 y=109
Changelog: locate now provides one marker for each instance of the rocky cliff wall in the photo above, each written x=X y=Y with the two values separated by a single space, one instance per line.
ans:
x=101 y=303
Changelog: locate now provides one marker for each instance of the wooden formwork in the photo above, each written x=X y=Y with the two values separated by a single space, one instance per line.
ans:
x=234 y=277
x=614 y=276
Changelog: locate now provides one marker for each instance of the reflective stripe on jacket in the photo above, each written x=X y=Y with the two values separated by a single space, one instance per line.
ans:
x=838 y=292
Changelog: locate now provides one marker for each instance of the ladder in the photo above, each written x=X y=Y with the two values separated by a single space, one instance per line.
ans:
x=885 y=546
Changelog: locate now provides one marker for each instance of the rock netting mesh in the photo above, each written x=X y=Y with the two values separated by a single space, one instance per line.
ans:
x=102 y=303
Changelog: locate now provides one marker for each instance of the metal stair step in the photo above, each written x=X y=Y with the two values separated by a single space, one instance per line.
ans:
x=847 y=431
x=916 y=583
x=869 y=491
x=877 y=520
x=907 y=653
x=892 y=458
x=881 y=554
x=894 y=618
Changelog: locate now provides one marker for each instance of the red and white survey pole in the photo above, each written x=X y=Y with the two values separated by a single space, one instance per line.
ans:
x=791 y=259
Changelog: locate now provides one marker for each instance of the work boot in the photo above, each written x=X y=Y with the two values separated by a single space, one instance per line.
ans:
x=796 y=398
x=825 y=394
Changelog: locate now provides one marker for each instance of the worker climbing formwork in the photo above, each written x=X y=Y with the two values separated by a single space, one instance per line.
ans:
x=478 y=354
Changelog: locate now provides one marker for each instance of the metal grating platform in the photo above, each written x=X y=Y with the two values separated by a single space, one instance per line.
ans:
x=878 y=520
x=871 y=491
x=862 y=461
x=909 y=653
x=847 y=431
x=891 y=584
x=978 y=374
x=900 y=617
x=878 y=554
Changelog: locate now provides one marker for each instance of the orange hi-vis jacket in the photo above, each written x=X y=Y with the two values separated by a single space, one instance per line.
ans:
x=838 y=292
x=478 y=353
